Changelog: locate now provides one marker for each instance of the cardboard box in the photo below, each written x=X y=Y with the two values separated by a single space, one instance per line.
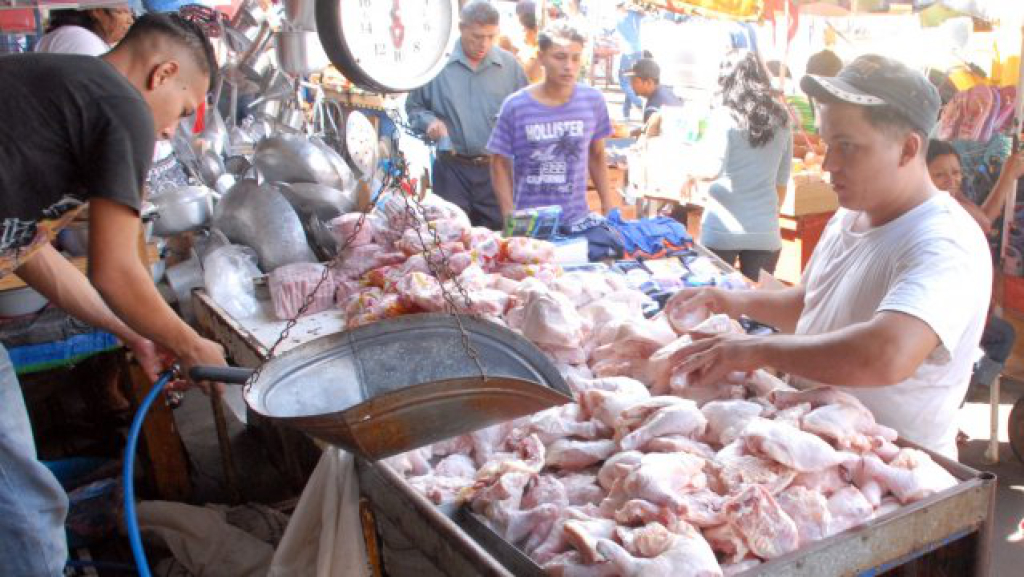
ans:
x=808 y=193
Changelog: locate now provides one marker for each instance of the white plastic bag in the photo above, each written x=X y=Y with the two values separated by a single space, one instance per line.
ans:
x=228 y=274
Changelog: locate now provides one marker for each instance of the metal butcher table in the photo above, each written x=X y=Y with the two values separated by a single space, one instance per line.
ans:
x=946 y=534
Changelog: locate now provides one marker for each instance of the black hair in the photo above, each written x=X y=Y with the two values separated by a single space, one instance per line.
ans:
x=181 y=31
x=937 y=148
x=562 y=29
x=824 y=63
x=746 y=91
x=526 y=10
x=80 y=18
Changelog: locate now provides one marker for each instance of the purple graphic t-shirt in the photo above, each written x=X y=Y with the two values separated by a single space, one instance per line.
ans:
x=549 y=146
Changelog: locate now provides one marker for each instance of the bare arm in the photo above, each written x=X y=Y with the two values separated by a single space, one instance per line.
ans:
x=778 y=308
x=880 y=352
x=125 y=285
x=597 y=165
x=66 y=287
x=1013 y=169
x=501 y=181
x=781 y=191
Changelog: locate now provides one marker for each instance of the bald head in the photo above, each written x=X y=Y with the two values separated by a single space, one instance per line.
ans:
x=171 y=63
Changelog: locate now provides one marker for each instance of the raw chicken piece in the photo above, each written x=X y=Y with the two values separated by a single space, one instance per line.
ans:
x=549 y=318
x=463 y=444
x=519 y=524
x=725 y=539
x=683 y=418
x=607 y=406
x=809 y=510
x=637 y=413
x=718 y=324
x=574 y=454
x=561 y=422
x=582 y=488
x=791 y=415
x=634 y=339
x=545 y=549
x=736 y=469
x=500 y=500
x=884 y=448
x=767 y=529
x=456 y=465
x=488 y=441
x=650 y=540
x=440 y=489
x=911 y=476
x=790 y=446
x=545 y=489
x=583 y=288
x=528 y=457
x=662 y=365
x=848 y=508
x=681 y=321
x=726 y=419
x=624 y=385
x=663 y=478
x=702 y=508
x=825 y=481
x=615 y=307
x=851 y=427
x=641 y=512
x=817 y=397
x=411 y=463
x=678 y=444
x=761 y=383
x=688 y=554
x=571 y=372
x=616 y=467
x=584 y=534
x=704 y=395
x=570 y=564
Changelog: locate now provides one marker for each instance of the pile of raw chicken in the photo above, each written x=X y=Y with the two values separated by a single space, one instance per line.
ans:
x=642 y=474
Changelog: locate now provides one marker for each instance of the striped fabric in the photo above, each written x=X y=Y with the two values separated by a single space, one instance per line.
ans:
x=549 y=148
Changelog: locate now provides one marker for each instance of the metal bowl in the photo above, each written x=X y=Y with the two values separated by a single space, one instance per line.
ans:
x=182 y=209
x=293 y=158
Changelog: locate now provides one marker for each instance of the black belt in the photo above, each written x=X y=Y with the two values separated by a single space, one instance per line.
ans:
x=481 y=160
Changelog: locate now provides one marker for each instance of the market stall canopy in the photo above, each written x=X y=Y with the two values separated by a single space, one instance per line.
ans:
x=736 y=9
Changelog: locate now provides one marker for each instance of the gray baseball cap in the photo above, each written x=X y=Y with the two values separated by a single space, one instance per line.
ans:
x=645 y=68
x=873 y=80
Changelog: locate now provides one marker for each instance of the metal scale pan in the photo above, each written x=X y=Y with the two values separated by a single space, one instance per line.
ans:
x=402 y=383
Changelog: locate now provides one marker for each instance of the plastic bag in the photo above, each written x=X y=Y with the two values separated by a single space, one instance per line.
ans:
x=527 y=250
x=292 y=284
x=228 y=274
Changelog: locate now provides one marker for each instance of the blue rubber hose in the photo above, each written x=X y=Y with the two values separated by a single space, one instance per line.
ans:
x=131 y=521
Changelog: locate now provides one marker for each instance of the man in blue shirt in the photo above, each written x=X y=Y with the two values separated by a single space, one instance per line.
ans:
x=645 y=78
x=458 y=109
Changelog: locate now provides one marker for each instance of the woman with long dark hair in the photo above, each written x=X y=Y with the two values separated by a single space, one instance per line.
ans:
x=91 y=32
x=749 y=145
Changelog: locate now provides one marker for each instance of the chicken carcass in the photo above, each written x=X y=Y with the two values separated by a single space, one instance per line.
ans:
x=687 y=554
x=616 y=467
x=545 y=489
x=766 y=528
x=456 y=465
x=584 y=534
x=679 y=444
x=561 y=422
x=651 y=540
x=582 y=488
x=440 y=489
x=817 y=397
x=790 y=446
x=684 y=321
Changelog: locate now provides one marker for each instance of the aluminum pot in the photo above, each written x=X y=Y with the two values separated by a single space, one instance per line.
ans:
x=294 y=158
x=299 y=52
x=181 y=209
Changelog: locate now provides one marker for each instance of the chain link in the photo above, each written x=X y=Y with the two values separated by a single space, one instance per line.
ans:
x=394 y=179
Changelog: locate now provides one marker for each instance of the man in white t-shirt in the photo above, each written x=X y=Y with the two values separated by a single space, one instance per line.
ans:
x=893 y=302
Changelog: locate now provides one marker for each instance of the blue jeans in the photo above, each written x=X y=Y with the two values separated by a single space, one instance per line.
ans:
x=625 y=65
x=33 y=505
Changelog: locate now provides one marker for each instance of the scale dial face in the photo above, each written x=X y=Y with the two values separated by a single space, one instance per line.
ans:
x=388 y=45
